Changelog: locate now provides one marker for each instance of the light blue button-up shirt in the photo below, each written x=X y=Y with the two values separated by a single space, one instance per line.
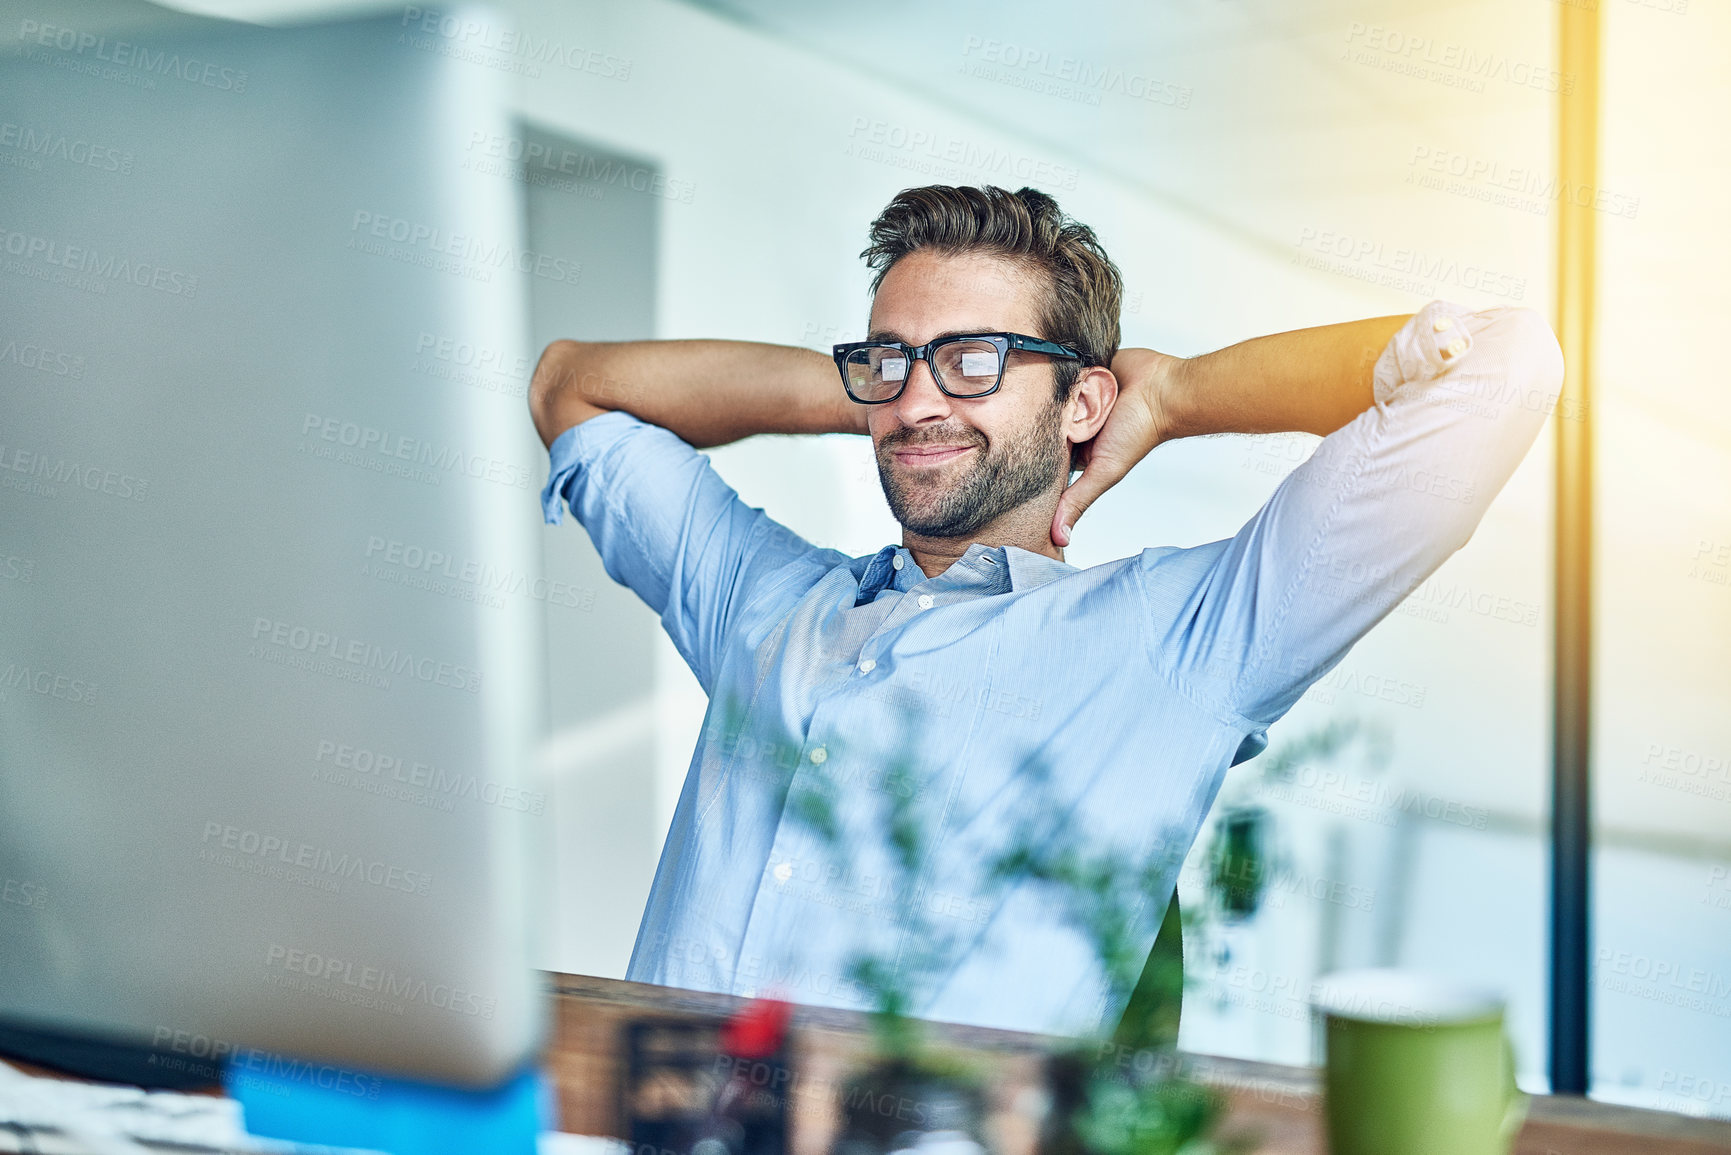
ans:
x=1136 y=683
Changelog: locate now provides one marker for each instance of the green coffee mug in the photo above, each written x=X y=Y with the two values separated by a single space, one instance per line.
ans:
x=1415 y=1065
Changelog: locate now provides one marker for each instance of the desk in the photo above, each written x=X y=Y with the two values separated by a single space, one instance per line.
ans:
x=1281 y=1104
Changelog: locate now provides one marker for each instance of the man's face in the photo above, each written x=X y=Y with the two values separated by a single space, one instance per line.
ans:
x=951 y=465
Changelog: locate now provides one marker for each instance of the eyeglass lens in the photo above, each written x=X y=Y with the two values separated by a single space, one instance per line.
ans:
x=964 y=368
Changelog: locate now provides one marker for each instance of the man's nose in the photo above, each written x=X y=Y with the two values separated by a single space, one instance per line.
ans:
x=921 y=399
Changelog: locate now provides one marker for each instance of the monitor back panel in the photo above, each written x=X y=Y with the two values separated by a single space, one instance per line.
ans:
x=270 y=602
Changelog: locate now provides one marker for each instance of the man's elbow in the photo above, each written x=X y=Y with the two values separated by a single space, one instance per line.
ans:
x=555 y=401
x=1535 y=360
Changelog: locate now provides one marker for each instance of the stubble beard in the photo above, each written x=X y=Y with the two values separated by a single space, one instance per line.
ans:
x=1020 y=469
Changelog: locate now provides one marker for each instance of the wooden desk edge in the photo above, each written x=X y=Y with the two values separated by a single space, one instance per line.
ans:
x=1269 y=1095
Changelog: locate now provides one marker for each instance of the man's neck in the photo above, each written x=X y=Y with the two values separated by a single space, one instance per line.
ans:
x=1026 y=527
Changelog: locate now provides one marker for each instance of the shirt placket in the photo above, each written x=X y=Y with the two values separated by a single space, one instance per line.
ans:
x=793 y=842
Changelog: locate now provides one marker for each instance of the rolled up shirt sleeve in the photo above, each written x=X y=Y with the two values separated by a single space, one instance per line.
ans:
x=1245 y=626
x=668 y=527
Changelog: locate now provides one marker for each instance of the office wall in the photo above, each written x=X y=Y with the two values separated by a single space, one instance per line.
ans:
x=599 y=757
x=1662 y=769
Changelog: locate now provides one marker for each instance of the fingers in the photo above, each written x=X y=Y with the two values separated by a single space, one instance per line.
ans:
x=1095 y=480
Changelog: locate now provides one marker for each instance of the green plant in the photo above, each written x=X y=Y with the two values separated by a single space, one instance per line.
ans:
x=1243 y=856
x=1108 y=894
x=1103 y=1104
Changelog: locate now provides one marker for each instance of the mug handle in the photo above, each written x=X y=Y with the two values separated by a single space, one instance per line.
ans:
x=1514 y=1100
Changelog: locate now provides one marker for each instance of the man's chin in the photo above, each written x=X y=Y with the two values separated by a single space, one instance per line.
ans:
x=925 y=518
x=932 y=519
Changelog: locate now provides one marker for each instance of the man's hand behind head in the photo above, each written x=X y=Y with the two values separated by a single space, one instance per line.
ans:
x=1135 y=424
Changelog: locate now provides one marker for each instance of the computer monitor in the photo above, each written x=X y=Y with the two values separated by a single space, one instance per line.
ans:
x=270 y=604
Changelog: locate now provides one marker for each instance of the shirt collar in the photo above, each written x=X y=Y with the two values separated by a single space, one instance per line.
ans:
x=880 y=568
x=1030 y=570
x=1022 y=569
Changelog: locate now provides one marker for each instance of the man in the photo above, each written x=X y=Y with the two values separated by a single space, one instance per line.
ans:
x=1135 y=683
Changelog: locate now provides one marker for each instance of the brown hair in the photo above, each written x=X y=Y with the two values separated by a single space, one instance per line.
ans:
x=1026 y=226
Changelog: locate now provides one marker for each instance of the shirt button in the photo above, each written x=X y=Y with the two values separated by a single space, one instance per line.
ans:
x=925 y=601
x=1443 y=324
x=867 y=666
x=818 y=755
x=1455 y=348
x=898 y=560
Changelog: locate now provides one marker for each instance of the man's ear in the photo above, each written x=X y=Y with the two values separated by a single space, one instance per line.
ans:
x=1090 y=404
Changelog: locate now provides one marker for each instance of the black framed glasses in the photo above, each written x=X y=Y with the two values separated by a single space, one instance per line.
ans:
x=971 y=365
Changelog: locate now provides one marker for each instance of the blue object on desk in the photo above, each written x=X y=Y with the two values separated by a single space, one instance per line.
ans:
x=310 y=1103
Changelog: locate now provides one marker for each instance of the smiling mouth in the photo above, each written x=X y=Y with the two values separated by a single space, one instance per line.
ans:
x=931 y=454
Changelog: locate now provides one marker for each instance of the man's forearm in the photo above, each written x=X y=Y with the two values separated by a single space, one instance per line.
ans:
x=1308 y=380
x=707 y=392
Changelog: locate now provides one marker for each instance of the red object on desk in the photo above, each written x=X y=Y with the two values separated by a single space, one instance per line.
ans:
x=757 y=1030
